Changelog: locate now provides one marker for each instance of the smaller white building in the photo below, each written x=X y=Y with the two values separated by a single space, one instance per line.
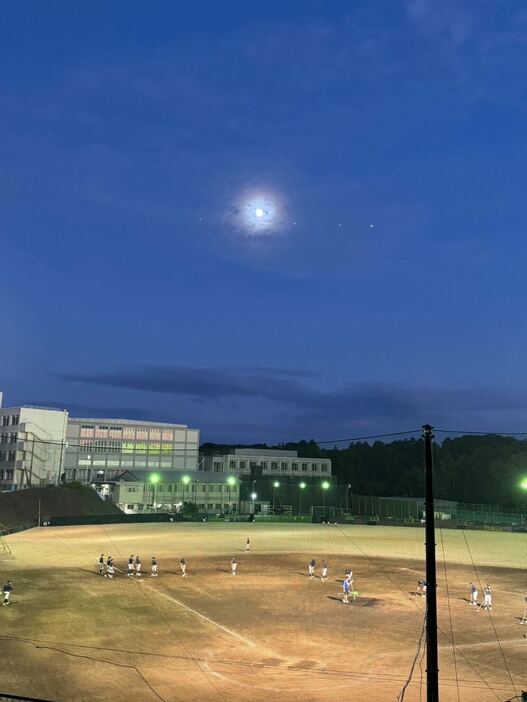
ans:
x=136 y=491
x=246 y=462
x=32 y=446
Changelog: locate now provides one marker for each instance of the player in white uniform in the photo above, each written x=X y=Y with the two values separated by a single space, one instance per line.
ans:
x=311 y=568
x=324 y=575
x=473 y=594
x=248 y=545
x=487 y=598
x=110 y=567
x=137 y=566
x=154 y=567
x=234 y=566
x=131 y=568
x=183 y=566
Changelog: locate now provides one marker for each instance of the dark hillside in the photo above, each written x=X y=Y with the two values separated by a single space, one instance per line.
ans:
x=20 y=508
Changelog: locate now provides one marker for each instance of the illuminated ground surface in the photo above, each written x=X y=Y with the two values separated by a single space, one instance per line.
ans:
x=270 y=633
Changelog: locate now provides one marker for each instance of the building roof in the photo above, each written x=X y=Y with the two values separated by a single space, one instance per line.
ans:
x=135 y=422
x=170 y=476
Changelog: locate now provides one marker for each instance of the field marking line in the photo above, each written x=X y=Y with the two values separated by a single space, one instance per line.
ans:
x=200 y=615
x=486 y=644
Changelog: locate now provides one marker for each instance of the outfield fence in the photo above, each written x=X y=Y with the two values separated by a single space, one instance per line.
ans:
x=376 y=508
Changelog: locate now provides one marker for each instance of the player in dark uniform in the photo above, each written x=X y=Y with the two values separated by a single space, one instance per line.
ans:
x=131 y=565
x=101 y=564
x=137 y=566
x=154 y=567
x=8 y=589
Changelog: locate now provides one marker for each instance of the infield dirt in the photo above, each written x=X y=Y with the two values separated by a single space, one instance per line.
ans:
x=270 y=632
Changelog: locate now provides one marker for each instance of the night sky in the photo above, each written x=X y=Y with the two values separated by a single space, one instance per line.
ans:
x=380 y=285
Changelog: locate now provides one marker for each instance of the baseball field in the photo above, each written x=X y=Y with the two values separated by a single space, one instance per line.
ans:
x=270 y=632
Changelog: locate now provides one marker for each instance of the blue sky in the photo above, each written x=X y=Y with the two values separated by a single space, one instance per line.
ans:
x=392 y=133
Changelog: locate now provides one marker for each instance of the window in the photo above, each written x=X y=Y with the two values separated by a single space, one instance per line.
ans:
x=201 y=505
x=1 y=474
x=265 y=465
x=9 y=475
x=5 y=421
x=3 y=438
x=274 y=465
x=218 y=466
x=203 y=488
x=243 y=465
x=253 y=464
x=226 y=505
x=314 y=467
x=15 y=419
x=294 y=466
x=210 y=505
x=129 y=506
x=232 y=465
x=218 y=505
x=12 y=437
x=324 y=469
x=284 y=466
x=304 y=467
x=11 y=457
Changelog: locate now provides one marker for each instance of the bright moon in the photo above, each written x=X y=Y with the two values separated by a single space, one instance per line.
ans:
x=257 y=213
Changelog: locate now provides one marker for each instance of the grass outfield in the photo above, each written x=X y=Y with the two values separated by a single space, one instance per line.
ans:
x=269 y=633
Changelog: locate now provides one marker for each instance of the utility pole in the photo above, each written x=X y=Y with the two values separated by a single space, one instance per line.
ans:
x=432 y=670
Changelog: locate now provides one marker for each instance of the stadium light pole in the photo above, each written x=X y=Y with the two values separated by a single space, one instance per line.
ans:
x=432 y=669
x=154 y=479
x=231 y=480
x=185 y=480
x=276 y=484
x=302 y=486
x=324 y=486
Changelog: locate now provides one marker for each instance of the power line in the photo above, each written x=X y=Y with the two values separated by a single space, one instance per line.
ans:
x=400 y=696
x=365 y=438
x=450 y=613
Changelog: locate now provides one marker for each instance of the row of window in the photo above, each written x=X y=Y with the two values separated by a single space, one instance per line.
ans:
x=7 y=456
x=127 y=432
x=8 y=474
x=264 y=465
x=8 y=438
x=180 y=488
x=150 y=447
x=12 y=420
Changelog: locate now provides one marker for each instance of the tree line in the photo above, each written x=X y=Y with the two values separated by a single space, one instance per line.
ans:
x=483 y=469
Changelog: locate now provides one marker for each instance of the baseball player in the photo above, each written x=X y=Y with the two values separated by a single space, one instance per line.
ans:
x=345 y=590
x=248 y=545
x=154 y=567
x=101 y=564
x=183 y=566
x=324 y=575
x=473 y=595
x=8 y=589
x=311 y=568
x=109 y=562
x=110 y=568
x=487 y=598
x=137 y=566
x=234 y=566
x=131 y=565
x=524 y=618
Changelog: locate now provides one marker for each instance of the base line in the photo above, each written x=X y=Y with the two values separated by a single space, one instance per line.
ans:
x=198 y=614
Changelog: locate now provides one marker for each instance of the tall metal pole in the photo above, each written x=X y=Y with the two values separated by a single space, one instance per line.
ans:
x=432 y=670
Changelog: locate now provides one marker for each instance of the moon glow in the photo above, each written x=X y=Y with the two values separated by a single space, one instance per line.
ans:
x=257 y=213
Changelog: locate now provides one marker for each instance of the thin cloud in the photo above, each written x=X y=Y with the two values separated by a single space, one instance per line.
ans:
x=357 y=401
